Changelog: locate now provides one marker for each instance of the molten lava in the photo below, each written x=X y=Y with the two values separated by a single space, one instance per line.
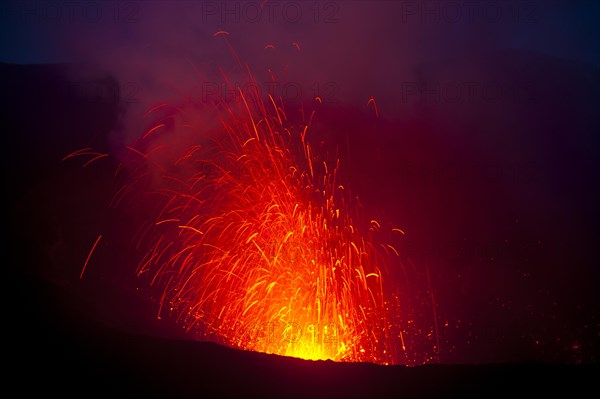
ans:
x=255 y=243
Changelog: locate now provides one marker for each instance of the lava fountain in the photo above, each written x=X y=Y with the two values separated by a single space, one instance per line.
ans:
x=254 y=242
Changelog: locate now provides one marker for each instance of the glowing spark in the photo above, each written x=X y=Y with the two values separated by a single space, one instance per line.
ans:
x=372 y=101
x=83 y=151
x=89 y=256
x=94 y=159
x=155 y=108
x=155 y=128
x=86 y=151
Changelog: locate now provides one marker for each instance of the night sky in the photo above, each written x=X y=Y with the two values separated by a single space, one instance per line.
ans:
x=484 y=152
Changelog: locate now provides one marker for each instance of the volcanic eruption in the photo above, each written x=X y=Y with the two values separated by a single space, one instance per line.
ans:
x=251 y=238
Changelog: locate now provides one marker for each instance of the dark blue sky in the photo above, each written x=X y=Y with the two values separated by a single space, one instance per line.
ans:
x=37 y=31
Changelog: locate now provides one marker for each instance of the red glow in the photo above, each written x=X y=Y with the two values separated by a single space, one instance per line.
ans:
x=256 y=243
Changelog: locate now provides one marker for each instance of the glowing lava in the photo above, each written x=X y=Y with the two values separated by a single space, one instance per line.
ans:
x=254 y=244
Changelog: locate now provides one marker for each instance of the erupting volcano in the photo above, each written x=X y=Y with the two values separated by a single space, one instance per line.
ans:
x=253 y=240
